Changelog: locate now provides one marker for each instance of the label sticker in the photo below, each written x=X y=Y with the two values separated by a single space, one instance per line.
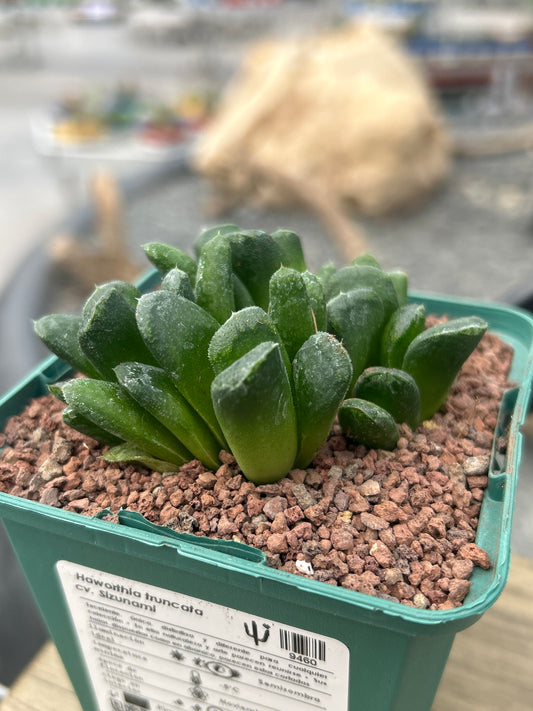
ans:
x=147 y=648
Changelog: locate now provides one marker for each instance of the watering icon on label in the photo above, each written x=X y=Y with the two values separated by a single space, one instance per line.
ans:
x=197 y=691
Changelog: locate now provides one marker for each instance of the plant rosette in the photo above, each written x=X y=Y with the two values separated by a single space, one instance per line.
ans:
x=232 y=377
x=346 y=433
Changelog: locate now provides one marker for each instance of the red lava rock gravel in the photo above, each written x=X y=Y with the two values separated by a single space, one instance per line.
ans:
x=399 y=525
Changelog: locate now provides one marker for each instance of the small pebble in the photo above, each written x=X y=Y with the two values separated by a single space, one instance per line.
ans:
x=304 y=498
x=304 y=567
x=274 y=506
x=476 y=466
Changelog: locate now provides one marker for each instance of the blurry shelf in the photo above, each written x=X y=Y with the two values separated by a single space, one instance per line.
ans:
x=126 y=145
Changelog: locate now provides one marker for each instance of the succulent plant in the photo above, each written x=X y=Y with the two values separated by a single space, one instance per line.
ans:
x=244 y=349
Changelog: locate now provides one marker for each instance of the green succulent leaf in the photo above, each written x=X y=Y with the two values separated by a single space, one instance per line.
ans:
x=356 y=318
x=394 y=390
x=253 y=403
x=291 y=252
x=242 y=296
x=109 y=335
x=315 y=292
x=77 y=421
x=165 y=257
x=367 y=260
x=112 y=409
x=364 y=276
x=178 y=332
x=129 y=452
x=153 y=389
x=435 y=357
x=218 y=289
x=214 y=279
x=210 y=232
x=400 y=282
x=57 y=389
x=368 y=424
x=322 y=372
x=178 y=281
x=291 y=309
x=127 y=290
x=244 y=330
x=324 y=274
x=255 y=257
x=404 y=325
x=59 y=333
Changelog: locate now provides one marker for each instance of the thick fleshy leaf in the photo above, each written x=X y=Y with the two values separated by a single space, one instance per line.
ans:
x=59 y=333
x=400 y=282
x=178 y=281
x=129 y=452
x=404 y=325
x=82 y=424
x=291 y=252
x=210 y=233
x=365 y=259
x=165 y=257
x=356 y=318
x=291 y=308
x=130 y=293
x=322 y=372
x=255 y=257
x=324 y=274
x=364 y=276
x=435 y=357
x=253 y=403
x=315 y=292
x=178 y=332
x=368 y=424
x=392 y=389
x=112 y=409
x=244 y=330
x=109 y=335
x=214 y=279
x=153 y=389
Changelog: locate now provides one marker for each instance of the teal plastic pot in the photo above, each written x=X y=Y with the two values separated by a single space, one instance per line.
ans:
x=145 y=618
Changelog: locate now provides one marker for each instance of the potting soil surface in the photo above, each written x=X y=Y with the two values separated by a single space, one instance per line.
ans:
x=400 y=525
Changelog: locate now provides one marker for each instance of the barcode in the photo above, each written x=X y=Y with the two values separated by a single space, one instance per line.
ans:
x=302 y=644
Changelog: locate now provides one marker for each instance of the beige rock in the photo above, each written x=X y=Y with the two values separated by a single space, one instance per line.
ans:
x=346 y=109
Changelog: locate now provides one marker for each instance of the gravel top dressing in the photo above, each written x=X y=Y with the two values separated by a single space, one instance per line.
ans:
x=396 y=524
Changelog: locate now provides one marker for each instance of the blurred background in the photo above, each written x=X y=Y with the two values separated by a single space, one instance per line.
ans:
x=400 y=128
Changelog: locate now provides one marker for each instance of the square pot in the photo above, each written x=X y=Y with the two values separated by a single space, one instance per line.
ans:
x=147 y=618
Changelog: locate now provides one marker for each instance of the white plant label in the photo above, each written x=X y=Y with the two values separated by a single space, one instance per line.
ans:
x=147 y=648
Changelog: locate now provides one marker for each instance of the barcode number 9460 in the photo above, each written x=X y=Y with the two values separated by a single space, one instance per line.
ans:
x=302 y=659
